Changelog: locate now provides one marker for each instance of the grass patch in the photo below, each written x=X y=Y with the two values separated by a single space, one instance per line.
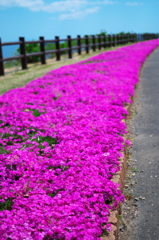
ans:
x=134 y=169
x=20 y=73
x=120 y=217
x=7 y=205
x=15 y=77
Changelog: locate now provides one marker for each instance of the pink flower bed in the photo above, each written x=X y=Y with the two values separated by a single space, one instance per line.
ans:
x=61 y=137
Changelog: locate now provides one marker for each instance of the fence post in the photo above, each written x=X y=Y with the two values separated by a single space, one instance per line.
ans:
x=57 y=45
x=69 y=46
x=23 y=52
x=132 y=40
x=86 y=42
x=119 y=39
x=94 y=43
x=122 y=39
x=1 y=60
x=113 y=40
x=109 y=40
x=131 y=37
x=79 y=44
x=104 y=40
x=99 y=42
x=125 y=39
x=116 y=40
x=128 y=37
x=42 y=49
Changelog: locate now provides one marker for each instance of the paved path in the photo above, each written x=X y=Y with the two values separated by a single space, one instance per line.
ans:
x=146 y=152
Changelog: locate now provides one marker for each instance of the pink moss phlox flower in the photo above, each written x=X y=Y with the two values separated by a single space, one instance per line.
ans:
x=61 y=140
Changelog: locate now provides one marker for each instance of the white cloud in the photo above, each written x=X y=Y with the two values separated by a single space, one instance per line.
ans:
x=21 y=3
x=107 y=2
x=134 y=4
x=40 y=5
x=57 y=6
x=104 y=2
x=69 y=9
x=78 y=14
x=65 y=6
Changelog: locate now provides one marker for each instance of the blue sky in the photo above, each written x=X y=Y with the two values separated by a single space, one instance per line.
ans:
x=49 y=18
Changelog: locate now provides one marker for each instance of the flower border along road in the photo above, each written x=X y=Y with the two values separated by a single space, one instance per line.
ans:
x=119 y=178
x=61 y=143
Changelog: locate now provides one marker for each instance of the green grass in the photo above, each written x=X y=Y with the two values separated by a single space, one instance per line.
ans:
x=20 y=73
x=15 y=77
x=120 y=217
x=134 y=169
x=12 y=63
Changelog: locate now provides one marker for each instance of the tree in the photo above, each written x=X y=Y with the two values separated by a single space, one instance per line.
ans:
x=102 y=33
x=50 y=46
x=31 y=48
x=35 y=47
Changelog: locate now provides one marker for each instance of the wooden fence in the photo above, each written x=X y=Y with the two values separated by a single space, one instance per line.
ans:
x=90 y=42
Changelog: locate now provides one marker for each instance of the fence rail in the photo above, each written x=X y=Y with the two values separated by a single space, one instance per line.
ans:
x=90 y=42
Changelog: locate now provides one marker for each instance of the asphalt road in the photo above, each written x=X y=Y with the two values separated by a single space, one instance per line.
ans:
x=146 y=152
